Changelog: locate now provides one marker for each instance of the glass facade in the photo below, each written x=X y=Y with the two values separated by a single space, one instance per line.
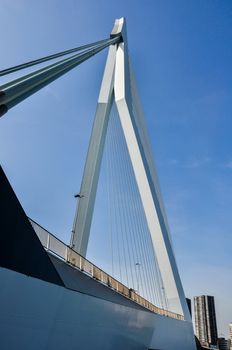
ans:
x=205 y=320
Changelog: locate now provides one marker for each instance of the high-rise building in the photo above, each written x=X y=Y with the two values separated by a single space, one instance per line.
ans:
x=205 y=320
x=222 y=344
x=189 y=305
x=230 y=336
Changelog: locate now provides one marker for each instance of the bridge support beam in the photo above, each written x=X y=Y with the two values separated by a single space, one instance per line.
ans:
x=118 y=85
x=85 y=206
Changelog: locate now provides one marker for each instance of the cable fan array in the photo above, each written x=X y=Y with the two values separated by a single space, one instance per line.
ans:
x=123 y=234
x=19 y=89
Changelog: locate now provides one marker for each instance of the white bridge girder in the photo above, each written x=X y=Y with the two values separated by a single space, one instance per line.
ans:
x=118 y=85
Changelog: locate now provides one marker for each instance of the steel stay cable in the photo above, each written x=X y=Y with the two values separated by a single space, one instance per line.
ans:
x=113 y=185
x=142 y=251
x=161 y=289
x=153 y=270
x=109 y=197
x=115 y=193
x=139 y=230
x=155 y=279
x=145 y=234
x=158 y=278
x=141 y=126
x=108 y=144
x=48 y=58
x=142 y=234
x=129 y=173
x=125 y=206
x=120 y=187
x=143 y=231
x=163 y=293
x=155 y=273
x=16 y=91
x=141 y=254
x=54 y=65
x=127 y=213
x=135 y=255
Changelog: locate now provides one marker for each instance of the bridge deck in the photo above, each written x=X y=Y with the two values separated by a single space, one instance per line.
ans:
x=55 y=246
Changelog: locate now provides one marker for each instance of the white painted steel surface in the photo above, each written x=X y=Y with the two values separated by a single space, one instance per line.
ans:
x=143 y=166
x=39 y=315
x=123 y=91
x=85 y=206
x=58 y=248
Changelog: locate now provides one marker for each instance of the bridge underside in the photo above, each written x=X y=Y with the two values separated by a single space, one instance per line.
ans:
x=49 y=300
x=46 y=303
x=39 y=315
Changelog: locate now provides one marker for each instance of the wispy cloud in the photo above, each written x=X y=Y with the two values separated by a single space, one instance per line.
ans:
x=196 y=163
x=193 y=163
x=173 y=162
x=228 y=165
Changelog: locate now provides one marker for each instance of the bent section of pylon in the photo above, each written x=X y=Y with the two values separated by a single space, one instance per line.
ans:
x=118 y=85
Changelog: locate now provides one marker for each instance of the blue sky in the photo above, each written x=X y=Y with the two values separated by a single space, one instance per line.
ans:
x=181 y=52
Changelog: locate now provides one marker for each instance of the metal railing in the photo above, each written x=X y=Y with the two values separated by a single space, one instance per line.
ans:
x=60 y=249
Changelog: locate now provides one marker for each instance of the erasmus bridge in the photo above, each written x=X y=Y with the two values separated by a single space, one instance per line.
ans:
x=51 y=295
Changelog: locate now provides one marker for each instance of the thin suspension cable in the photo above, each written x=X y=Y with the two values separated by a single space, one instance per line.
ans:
x=133 y=189
x=48 y=58
x=142 y=233
x=145 y=230
x=126 y=214
x=156 y=274
x=162 y=294
x=155 y=277
x=132 y=234
x=120 y=197
x=140 y=261
x=148 y=246
x=125 y=169
x=115 y=202
x=109 y=197
x=147 y=251
x=143 y=253
x=162 y=291
x=125 y=204
x=145 y=233
x=147 y=254
x=153 y=272
x=165 y=300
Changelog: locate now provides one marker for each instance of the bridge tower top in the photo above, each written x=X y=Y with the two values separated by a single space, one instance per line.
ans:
x=118 y=87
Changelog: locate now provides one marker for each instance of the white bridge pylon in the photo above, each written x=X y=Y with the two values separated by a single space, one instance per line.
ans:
x=118 y=85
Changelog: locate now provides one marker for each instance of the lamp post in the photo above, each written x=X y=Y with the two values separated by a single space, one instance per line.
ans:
x=137 y=265
x=78 y=196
